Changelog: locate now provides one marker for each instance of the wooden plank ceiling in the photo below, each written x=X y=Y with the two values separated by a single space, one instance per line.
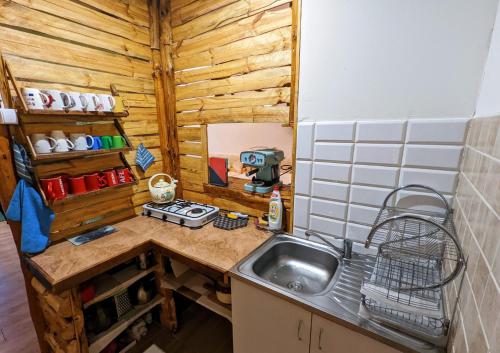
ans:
x=84 y=46
x=232 y=61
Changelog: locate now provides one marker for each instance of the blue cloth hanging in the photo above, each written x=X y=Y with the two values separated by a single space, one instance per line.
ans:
x=143 y=157
x=27 y=207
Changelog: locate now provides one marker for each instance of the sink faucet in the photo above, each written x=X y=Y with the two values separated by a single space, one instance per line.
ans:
x=347 y=243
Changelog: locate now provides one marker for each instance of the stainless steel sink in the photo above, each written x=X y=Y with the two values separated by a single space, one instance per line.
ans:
x=297 y=267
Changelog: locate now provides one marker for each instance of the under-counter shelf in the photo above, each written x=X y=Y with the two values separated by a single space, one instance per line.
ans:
x=99 y=342
x=108 y=285
x=198 y=288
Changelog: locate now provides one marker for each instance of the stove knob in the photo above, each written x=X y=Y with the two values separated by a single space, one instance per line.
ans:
x=148 y=213
x=164 y=218
x=181 y=222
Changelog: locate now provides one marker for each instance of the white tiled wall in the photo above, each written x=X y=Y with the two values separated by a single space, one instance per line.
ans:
x=346 y=169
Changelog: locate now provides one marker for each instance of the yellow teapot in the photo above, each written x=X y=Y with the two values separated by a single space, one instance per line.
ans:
x=162 y=191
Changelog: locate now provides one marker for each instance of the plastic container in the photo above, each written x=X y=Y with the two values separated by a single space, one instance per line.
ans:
x=275 y=210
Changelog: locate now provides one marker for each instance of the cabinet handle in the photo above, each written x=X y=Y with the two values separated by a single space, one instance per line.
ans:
x=319 y=339
x=299 y=330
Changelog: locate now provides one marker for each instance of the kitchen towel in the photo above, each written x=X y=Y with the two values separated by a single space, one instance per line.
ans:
x=144 y=158
x=27 y=207
x=22 y=163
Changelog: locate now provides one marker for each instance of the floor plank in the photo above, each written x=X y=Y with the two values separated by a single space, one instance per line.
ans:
x=17 y=333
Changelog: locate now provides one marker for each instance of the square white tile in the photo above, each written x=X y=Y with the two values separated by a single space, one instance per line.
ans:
x=335 y=131
x=437 y=130
x=362 y=214
x=327 y=190
x=357 y=232
x=303 y=177
x=332 y=171
x=438 y=156
x=328 y=208
x=375 y=175
x=305 y=138
x=377 y=154
x=327 y=226
x=380 y=131
x=333 y=152
x=368 y=195
x=301 y=211
x=444 y=181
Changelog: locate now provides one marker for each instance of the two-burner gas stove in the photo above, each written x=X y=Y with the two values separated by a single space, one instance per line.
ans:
x=185 y=213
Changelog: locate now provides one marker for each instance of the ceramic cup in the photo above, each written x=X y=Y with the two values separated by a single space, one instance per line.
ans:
x=61 y=100
x=35 y=99
x=107 y=142
x=53 y=188
x=108 y=102
x=82 y=142
x=108 y=178
x=62 y=143
x=118 y=141
x=124 y=175
x=93 y=102
x=78 y=102
x=92 y=182
x=96 y=143
x=42 y=143
x=77 y=185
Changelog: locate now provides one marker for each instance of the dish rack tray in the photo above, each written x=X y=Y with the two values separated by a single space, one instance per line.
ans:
x=418 y=255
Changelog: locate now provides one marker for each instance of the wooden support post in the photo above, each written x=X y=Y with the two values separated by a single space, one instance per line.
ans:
x=168 y=76
x=168 y=315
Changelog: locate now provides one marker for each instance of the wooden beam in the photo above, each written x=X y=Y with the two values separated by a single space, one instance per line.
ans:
x=168 y=75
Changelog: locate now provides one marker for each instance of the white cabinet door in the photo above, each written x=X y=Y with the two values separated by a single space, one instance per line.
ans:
x=329 y=337
x=264 y=323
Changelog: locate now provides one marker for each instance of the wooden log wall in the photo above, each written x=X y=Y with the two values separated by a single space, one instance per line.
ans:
x=85 y=45
x=233 y=63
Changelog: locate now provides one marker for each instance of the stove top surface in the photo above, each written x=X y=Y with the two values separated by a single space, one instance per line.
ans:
x=183 y=209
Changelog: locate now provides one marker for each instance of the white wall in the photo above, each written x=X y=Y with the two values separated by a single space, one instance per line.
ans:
x=488 y=103
x=393 y=59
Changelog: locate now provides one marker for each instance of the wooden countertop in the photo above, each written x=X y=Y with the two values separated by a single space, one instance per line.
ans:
x=64 y=265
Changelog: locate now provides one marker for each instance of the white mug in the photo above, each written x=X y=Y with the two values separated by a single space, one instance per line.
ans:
x=93 y=102
x=62 y=143
x=35 y=99
x=80 y=141
x=61 y=100
x=78 y=101
x=108 y=102
x=42 y=143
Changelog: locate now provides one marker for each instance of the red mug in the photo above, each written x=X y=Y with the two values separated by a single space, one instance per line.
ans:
x=124 y=175
x=77 y=185
x=108 y=178
x=53 y=188
x=65 y=181
x=92 y=182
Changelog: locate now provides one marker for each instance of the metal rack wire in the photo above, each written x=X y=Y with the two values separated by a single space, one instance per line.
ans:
x=418 y=254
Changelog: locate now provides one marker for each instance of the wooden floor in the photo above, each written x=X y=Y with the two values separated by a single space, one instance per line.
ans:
x=17 y=334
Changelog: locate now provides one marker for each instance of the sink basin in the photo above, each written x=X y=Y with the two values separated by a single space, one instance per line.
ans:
x=297 y=267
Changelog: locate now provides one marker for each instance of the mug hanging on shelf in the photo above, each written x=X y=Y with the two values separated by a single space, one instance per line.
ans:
x=42 y=144
x=61 y=100
x=108 y=102
x=78 y=102
x=62 y=143
x=37 y=100
x=118 y=141
x=81 y=141
x=53 y=188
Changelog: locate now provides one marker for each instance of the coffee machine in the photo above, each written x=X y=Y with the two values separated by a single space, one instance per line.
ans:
x=266 y=169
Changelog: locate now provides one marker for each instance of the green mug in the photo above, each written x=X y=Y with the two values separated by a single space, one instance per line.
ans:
x=107 y=142
x=119 y=142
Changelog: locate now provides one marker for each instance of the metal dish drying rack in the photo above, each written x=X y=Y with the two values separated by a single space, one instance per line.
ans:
x=418 y=256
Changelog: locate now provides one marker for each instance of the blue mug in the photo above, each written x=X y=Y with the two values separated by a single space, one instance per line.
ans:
x=97 y=143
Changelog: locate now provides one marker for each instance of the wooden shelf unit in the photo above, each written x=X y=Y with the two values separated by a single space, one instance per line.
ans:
x=99 y=342
x=198 y=288
x=108 y=285
x=63 y=113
